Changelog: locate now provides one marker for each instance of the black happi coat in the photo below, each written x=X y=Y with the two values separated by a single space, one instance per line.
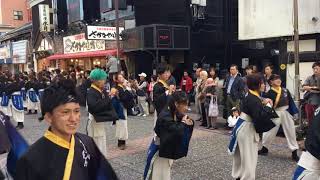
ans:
x=313 y=137
x=261 y=115
x=284 y=98
x=159 y=97
x=173 y=140
x=100 y=106
x=46 y=161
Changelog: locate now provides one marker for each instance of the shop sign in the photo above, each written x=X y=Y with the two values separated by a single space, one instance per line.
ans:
x=5 y=52
x=44 y=16
x=164 y=38
x=79 y=43
x=43 y=54
x=19 y=52
x=103 y=33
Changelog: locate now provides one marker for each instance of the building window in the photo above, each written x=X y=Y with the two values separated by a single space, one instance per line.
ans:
x=17 y=15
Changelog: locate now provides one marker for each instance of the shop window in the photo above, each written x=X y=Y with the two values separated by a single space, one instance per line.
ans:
x=17 y=15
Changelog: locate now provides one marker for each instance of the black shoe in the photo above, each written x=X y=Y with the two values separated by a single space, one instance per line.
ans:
x=238 y=179
x=35 y=112
x=263 y=152
x=204 y=125
x=29 y=112
x=208 y=127
x=295 y=156
x=20 y=126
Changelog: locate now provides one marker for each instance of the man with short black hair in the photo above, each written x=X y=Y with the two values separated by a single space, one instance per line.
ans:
x=312 y=88
x=234 y=89
x=62 y=153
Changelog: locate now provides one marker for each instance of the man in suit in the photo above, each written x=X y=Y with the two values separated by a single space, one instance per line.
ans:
x=234 y=89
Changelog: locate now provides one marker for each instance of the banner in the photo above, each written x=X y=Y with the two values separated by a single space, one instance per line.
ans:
x=44 y=16
x=5 y=51
x=103 y=33
x=75 y=10
x=19 y=52
x=79 y=43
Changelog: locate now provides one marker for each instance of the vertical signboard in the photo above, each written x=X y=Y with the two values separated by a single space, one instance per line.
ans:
x=44 y=17
x=75 y=10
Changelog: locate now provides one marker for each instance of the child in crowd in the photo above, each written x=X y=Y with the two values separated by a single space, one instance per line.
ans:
x=232 y=119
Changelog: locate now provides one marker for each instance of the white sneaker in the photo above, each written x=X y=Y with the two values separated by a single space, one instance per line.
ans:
x=144 y=115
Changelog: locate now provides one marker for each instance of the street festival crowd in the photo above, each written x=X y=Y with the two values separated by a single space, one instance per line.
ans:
x=254 y=107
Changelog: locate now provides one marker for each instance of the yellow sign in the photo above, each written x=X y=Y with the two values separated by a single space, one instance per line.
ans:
x=283 y=66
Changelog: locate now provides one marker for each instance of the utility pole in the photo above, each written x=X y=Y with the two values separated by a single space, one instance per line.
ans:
x=116 y=6
x=296 y=51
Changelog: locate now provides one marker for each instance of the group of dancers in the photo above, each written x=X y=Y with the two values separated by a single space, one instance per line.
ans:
x=20 y=94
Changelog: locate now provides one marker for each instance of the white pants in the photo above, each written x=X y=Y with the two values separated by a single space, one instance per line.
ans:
x=32 y=105
x=122 y=130
x=17 y=115
x=142 y=101
x=161 y=169
x=246 y=154
x=285 y=119
x=312 y=166
x=98 y=132
x=7 y=109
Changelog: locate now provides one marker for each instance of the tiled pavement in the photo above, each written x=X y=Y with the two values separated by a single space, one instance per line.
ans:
x=207 y=159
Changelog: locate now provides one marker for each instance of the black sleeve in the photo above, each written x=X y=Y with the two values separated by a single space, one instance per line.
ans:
x=125 y=96
x=159 y=98
x=24 y=170
x=261 y=116
x=313 y=137
x=242 y=88
x=96 y=104
x=166 y=124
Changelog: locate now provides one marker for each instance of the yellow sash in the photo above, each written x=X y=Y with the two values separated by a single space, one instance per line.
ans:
x=120 y=85
x=254 y=93
x=278 y=96
x=96 y=88
x=164 y=84
x=63 y=143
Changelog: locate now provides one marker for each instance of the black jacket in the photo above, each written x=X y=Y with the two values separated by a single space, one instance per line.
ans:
x=100 y=106
x=174 y=142
x=159 y=97
x=126 y=98
x=4 y=139
x=261 y=115
x=313 y=137
x=237 y=89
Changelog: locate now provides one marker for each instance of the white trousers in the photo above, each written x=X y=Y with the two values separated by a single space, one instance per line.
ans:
x=246 y=154
x=142 y=101
x=161 y=169
x=122 y=130
x=312 y=166
x=285 y=119
x=17 y=115
x=32 y=105
x=98 y=132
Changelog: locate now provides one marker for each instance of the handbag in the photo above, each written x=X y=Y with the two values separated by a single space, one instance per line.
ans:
x=213 y=107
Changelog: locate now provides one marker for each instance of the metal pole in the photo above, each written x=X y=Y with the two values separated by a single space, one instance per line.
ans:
x=296 y=51
x=116 y=6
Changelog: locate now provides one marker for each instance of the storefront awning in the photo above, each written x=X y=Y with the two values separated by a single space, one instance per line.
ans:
x=83 y=55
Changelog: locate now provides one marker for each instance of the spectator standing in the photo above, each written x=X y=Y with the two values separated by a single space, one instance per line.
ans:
x=186 y=84
x=234 y=89
x=142 y=95
x=312 y=88
x=202 y=97
x=268 y=71
x=196 y=89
